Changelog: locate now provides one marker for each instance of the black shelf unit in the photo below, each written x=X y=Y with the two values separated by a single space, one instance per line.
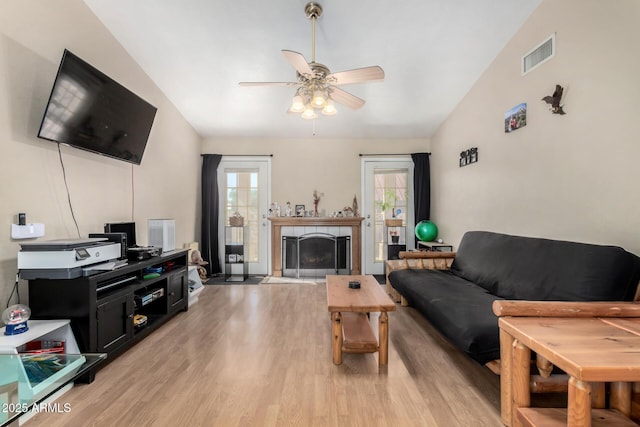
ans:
x=102 y=307
x=236 y=265
x=397 y=244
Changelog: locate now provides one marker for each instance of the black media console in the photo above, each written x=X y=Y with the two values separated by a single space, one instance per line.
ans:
x=106 y=309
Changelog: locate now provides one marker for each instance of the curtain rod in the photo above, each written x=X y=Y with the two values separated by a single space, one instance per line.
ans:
x=241 y=155
x=385 y=154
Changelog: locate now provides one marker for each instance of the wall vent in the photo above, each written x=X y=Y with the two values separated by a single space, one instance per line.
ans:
x=539 y=54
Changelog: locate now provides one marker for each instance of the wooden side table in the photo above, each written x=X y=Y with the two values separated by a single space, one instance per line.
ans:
x=435 y=246
x=591 y=350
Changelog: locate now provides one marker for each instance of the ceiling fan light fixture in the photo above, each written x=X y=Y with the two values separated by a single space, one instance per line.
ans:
x=318 y=99
x=316 y=86
x=309 y=113
x=330 y=108
x=297 y=104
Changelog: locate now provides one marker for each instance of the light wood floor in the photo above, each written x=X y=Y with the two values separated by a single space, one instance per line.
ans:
x=261 y=356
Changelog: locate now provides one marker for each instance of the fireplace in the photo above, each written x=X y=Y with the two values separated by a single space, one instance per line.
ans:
x=315 y=255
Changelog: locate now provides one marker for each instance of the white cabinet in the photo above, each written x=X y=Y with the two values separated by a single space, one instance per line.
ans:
x=33 y=373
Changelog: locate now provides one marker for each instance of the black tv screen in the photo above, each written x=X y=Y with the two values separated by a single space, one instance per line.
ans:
x=91 y=111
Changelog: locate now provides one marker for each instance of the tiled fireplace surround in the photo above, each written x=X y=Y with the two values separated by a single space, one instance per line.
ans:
x=298 y=226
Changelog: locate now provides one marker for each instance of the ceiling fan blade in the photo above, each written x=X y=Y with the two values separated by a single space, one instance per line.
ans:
x=346 y=99
x=359 y=75
x=297 y=61
x=267 y=83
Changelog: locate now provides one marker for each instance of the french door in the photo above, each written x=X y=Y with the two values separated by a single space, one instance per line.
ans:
x=387 y=192
x=245 y=186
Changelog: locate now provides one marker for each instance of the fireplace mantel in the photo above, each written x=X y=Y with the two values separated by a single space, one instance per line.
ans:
x=291 y=221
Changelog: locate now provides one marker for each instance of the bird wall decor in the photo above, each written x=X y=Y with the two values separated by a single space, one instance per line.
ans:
x=554 y=100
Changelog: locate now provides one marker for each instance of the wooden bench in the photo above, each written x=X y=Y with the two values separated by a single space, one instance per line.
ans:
x=357 y=333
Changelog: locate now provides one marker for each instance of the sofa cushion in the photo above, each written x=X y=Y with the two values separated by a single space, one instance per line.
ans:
x=514 y=267
x=460 y=310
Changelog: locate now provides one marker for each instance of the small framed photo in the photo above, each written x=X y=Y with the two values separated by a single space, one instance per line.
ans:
x=299 y=210
x=473 y=155
x=233 y=258
x=515 y=118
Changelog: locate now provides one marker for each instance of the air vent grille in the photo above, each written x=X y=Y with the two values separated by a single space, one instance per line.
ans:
x=539 y=55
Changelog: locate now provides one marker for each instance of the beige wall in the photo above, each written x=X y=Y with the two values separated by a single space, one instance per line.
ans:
x=33 y=35
x=568 y=177
x=300 y=166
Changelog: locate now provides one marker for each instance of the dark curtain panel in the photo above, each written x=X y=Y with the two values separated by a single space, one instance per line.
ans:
x=210 y=209
x=421 y=186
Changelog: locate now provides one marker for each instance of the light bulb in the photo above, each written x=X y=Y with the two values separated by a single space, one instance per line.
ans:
x=318 y=99
x=297 y=105
x=330 y=108
x=308 y=113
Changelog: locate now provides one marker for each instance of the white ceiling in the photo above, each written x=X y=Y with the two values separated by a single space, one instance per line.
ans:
x=196 y=51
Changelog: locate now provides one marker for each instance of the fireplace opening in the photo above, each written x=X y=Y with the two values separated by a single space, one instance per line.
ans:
x=315 y=255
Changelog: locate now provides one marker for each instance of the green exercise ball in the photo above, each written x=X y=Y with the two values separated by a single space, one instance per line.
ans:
x=426 y=231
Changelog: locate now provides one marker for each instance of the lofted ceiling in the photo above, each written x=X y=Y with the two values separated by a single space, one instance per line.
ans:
x=196 y=51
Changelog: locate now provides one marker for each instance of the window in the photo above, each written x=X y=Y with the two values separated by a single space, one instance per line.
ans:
x=242 y=197
x=390 y=199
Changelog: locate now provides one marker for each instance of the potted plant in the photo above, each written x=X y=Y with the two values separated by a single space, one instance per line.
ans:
x=389 y=202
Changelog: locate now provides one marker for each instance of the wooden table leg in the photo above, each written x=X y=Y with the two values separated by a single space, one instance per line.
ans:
x=336 y=341
x=621 y=397
x=520 y=373
x=506 y=354
x=383 y=338
x=579 y=404
x=598 y=396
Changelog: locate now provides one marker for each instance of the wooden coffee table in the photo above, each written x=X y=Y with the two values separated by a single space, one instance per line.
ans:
x=350 y=308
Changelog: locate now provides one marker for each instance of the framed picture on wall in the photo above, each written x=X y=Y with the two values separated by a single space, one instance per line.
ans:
x=515 y=118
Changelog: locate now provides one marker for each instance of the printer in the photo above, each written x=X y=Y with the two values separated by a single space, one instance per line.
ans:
x=64 y=259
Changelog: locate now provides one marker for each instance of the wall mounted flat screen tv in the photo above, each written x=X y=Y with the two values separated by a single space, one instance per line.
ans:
x=91 y=111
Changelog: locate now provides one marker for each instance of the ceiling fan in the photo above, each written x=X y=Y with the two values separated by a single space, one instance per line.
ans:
x=316 y=87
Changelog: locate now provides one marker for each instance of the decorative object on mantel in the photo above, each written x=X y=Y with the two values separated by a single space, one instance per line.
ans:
x=316 y=87
x=316 y=199
x=299 y=210
x=274 y=210
x=236 y=220
x=554 y=100
x=515 y=118
x=468 y=156
x=354 y=206
x=348 y=212
x=287 y=209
